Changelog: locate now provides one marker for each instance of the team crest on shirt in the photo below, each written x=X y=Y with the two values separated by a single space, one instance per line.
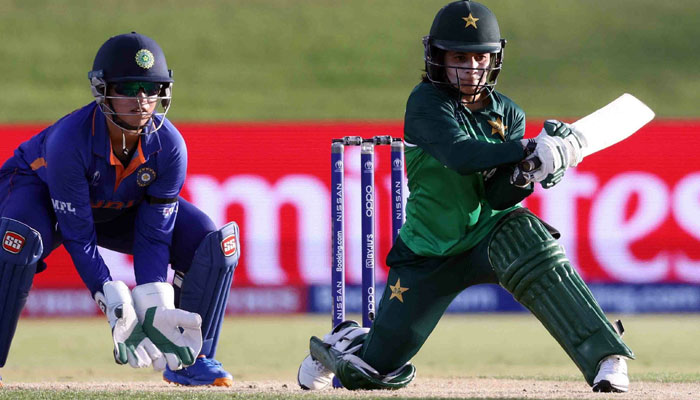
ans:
x=145 y=176
x=497 y=127
x=144 y=59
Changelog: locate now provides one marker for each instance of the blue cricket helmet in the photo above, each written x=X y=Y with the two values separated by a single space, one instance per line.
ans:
x=131 y=57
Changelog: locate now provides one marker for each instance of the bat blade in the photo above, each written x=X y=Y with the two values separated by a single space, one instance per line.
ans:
x=613 y=123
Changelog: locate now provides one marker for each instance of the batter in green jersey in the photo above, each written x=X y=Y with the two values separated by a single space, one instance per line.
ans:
x=447 y=212
x=464 y=141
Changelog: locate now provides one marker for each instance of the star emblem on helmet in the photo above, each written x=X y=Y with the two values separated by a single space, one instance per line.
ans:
x=498 y=127
x=470 y=20
x=144 y=59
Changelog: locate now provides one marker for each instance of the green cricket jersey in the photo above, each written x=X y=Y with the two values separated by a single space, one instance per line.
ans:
x=449 y=150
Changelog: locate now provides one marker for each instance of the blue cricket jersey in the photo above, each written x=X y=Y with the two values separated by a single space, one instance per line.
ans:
x=88 y=184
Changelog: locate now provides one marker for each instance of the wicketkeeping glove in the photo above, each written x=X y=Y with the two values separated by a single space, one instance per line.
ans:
x=177 y=333
x=130 y=341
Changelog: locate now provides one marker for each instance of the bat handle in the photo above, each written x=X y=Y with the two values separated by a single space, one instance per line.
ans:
x=519 y=178
x=530 y=164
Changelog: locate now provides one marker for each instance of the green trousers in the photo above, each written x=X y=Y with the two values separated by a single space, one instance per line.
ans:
x=520 y=253
x=419 y=290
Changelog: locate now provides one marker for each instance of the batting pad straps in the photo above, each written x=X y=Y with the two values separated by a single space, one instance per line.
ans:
x=21 y=250
x=532 y=266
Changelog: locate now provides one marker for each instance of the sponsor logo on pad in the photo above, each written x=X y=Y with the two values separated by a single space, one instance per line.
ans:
x=13 y=242
x=228 y=245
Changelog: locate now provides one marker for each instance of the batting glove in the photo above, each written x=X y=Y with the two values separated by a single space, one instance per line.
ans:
x=573 y=140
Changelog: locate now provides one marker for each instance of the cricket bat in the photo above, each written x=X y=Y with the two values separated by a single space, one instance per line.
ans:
x=613 y=123
x=605 y=127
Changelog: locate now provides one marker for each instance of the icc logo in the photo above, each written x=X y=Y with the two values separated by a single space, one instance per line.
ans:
x=13 y=242
x=228 y=245
x=397 y=163
x=339 y=165
x=368 y=166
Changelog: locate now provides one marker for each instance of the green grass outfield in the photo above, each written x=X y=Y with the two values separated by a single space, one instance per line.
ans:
x=359 y=59
x=270 y=349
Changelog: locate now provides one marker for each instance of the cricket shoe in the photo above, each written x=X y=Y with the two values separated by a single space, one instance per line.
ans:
x=312 y=375
x=204 y=372
x=612 y=375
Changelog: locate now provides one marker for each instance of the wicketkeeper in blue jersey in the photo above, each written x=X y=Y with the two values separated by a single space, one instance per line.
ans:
x=110 y=174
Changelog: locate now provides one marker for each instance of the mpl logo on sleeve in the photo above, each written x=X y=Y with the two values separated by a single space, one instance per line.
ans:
x=13 y=242
x=228 y=245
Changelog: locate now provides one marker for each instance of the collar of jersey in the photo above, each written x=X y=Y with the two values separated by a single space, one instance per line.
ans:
x=495 y=107
x=149 y=143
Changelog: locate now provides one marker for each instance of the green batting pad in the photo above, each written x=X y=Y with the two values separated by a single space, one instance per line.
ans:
x=532 y=266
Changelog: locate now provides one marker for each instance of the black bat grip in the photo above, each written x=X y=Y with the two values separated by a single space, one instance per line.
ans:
x=528 y=165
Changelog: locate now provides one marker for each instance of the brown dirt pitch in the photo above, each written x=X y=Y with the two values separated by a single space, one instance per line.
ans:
x=469 y=388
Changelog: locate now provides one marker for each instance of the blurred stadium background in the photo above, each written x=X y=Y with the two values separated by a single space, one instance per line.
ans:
x=323 y=59
x=262 y=86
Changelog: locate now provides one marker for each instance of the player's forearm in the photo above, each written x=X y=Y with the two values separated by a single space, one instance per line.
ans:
x=152 y=240
x=89 y=264
x=500 y=193
x=151 y=262
x=470 y=156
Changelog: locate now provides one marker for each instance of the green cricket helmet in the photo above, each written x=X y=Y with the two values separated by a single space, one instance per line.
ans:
x=469 y=27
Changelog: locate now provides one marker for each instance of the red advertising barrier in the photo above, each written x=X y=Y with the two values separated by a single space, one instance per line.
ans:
x=628 y=214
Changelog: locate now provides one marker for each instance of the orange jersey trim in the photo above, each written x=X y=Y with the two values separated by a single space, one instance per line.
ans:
x=38 y=163
x=133 y=164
